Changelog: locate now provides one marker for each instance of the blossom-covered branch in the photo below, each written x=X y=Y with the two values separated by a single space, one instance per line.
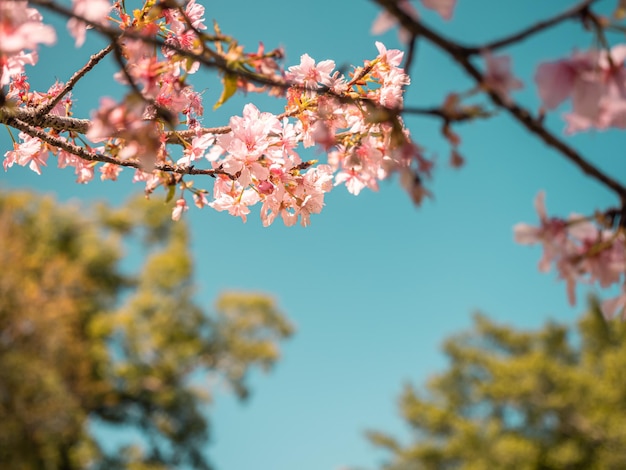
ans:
x=254 y=159
x=355 y=118
x=589 y=249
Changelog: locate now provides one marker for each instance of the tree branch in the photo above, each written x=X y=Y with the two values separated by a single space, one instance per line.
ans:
x=98 y=157
x=577 y=10
x=462 y=55
x=44 y=109
x=31 y=116
x=215 y=61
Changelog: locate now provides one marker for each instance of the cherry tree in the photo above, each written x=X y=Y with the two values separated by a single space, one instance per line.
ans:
x=156 y=130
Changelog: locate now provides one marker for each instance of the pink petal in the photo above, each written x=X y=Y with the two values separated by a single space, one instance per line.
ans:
x=444 y=7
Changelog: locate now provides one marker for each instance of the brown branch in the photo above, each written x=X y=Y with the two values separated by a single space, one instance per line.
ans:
x=463 y=114
x=45 y=108
x=177 y=137
x=215 y=61
x=98 y=157
x=535 y=125
x=410 y=55
x=81 y=126
x=31 y=116
x=577 y=10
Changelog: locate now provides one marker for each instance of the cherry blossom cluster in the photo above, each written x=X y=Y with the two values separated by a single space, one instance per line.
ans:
x=21 y=30
x=594 y=81
x=580 y=250
x=355 y=119
x=350 y=119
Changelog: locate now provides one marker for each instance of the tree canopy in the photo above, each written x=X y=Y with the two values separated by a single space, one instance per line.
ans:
x=84 y=342
x=553 y=398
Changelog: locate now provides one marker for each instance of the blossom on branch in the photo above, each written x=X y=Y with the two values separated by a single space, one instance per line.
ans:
x=21 y=29
x=385 y=20
x=595 y=81
x=498 y=76
x=580 y=250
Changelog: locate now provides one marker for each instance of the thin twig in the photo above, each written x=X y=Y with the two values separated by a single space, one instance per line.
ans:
x=45 y=108
x=410 y=55
x=576 y=10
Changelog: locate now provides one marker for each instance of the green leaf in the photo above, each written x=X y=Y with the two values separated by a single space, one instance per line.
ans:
x=230 y=87
x=171 y=190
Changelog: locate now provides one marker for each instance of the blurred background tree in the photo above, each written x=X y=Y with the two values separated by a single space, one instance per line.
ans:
x=83 y=342
x=554 y=398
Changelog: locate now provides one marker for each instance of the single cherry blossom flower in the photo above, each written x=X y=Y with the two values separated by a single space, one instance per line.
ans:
x=444 y=7
x=613 y=306
x=235 y=202
x=498 y=76
x=31 y=151
x=109 y=171
x=180 y=207
x=200 y=199
x=309 y=74
x=551 y=233
x=12 y=66
x=385 y=21
x=84 y=170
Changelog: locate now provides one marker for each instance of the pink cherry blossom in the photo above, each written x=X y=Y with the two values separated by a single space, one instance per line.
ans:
x=309 y=74
x=31 y=151
x=233 y=198
x=550 y=233
x=13 y=66
x=595 y=81
x=557 y=80
x=389 y=57
x=498 y=76
x=95 y=11
x=200 y=200
x=197 y=149
x=21 y=28
x=385 y=20
x=194 y=12
x=110 y=171
x=84 y=171
x=605 y=265
x=578 y=249
x=444 y=7
x=257 y=160
x=180 y=207
x=613 y=306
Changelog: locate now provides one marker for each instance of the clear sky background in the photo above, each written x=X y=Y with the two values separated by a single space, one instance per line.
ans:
x=374 y=285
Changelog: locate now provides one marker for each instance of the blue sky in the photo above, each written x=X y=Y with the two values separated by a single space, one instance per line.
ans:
x=374 y=285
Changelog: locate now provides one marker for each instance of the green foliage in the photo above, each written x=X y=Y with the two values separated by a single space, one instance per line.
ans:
x=82 y=341
x=548 y=399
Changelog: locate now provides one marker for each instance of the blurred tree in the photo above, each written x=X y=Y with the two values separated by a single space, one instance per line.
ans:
x=548 y=399
x=82 y=342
